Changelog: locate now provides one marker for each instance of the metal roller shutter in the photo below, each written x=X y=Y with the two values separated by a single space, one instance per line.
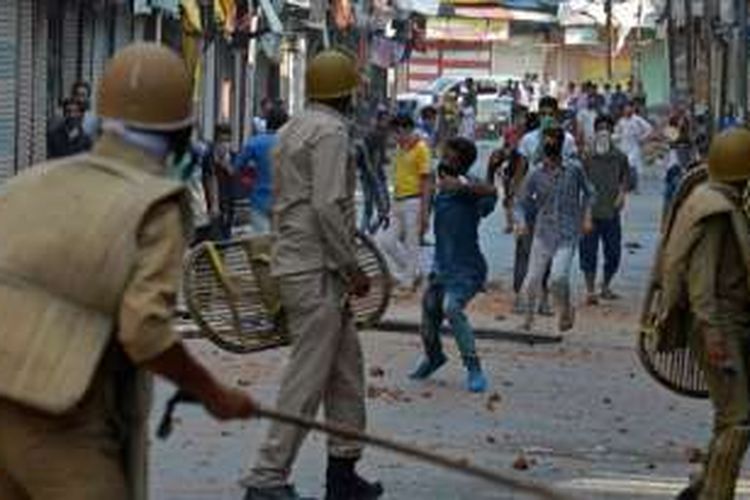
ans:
x=8 y=61
x=25 y=89
x=41 y=77
x=123 y=25
x=449 y=58
x=71 y=45
x=88 y=34
x=520 y=55
x=100 y=46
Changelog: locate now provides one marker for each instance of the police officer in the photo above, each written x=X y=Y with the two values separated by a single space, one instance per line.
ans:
x=314 y=259
x=707 y=262
x=89 y=264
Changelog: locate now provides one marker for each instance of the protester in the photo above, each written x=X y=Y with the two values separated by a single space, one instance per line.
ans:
x=68 y=138
x=559 y=197
x=530 y=146
x=256 y=159
x=459 y=270
x=260 y=121
x=373 y=178
x=531 y=151
x=631 y=132
x=400 y=241
x=585 y=128
x=467 y=129
x=82 y=92
x=680 y=159
x=607 y=95
x=619 y=100
x=470 y=94
x=571 y=98
x=223 y=182
x=450 y=117
x=427 y=126
x=607 y=170
x=506 y=162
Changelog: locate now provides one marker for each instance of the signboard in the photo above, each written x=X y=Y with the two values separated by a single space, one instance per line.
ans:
x=470 y=30
x=146 y=6
x=582 y=35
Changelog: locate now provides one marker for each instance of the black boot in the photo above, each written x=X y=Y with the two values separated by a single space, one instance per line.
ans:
x=689 y=493
x=343 y=482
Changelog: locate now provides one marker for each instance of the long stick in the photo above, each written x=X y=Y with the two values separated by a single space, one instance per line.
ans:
x=462 y=466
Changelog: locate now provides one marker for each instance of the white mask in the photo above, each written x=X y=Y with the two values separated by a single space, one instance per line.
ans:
x=602 y=142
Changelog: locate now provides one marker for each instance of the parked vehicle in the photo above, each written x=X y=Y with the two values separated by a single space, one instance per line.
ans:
x=488 y=88
x=492 y=109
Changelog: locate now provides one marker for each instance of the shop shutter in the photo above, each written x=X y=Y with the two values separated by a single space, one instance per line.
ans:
x=25 y=88
x=88 y=35
x=8 y=61
x=123 y=25
x=41 y=78
x=447 y=58
x=518 y=56
x=100 y=46
x=71 y=45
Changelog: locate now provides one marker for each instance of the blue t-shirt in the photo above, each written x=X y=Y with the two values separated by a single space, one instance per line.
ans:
x=256 y=154
x=458 y=258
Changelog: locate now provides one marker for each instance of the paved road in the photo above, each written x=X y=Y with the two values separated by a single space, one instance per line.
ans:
x=583 y=412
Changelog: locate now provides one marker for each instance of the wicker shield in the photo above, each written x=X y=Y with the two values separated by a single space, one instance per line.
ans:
x=235 y=302
x=677 y=369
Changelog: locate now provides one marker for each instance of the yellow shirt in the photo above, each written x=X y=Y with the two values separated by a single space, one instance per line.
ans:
x=411 y=165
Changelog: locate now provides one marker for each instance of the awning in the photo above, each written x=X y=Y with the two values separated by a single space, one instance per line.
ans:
x=492 y=12
x=171 y=7
x=463 y=29
x=424 y=7
x=582 y=35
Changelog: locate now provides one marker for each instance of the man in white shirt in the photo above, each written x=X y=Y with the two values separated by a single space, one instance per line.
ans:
x=630 y=133
x=530 y=146
x=585 y=125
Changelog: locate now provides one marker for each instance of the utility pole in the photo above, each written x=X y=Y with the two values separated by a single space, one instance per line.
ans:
x=741 y=10
x=690 y=55
x=671 y=47
x=608 y=12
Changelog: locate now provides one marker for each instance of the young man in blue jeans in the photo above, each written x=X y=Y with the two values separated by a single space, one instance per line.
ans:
x=459 y=270
x=607 y=170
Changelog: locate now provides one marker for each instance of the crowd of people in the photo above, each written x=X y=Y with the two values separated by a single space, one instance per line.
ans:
x=87 y=309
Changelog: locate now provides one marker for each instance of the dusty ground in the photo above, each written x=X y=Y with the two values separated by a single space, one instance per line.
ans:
x=583 y=413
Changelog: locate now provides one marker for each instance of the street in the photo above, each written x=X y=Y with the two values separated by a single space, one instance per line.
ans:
x=580 y=415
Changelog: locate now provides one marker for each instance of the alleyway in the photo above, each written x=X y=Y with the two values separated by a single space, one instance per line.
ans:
x=582 y=412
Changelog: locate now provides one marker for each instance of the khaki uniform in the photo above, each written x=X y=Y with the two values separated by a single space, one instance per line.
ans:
x=716 y=265
x=314 y=222
x=86 y=265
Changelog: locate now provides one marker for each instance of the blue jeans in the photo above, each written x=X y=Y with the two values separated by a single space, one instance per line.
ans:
x=609 y=232
x=440 y=302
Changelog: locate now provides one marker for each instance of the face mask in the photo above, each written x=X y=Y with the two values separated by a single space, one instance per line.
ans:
x=552 y=150
x=602 y=142
x=447 y=169
x=546 y=122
